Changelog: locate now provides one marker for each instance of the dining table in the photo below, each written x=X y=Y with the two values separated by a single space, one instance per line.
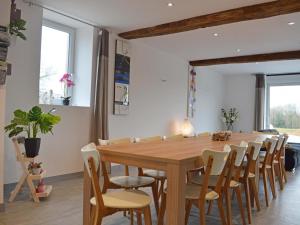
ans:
x=175 y=157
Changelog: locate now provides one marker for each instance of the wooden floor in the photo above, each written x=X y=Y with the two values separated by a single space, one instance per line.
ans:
x=64 y=207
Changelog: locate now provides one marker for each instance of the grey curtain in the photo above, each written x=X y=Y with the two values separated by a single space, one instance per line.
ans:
x=99 y=101
x=260 y=96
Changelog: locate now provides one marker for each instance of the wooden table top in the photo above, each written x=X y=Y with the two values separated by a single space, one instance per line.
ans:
x=176 y=150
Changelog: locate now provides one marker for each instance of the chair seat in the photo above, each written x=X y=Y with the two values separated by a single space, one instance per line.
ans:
x=131 y=181
x=155 y=174
x=128 y=199
x=192 y=191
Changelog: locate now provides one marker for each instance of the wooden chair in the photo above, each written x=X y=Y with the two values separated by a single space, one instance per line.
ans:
x=216 y=164
x=27 y=176
x=266 y=168
x=127 y=182
x=231 y=181
x=109 y=203
x=248 y=176
x=282 y=158
x=277 y=162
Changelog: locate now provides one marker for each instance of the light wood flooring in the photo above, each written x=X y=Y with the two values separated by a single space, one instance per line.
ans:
x=64 y=207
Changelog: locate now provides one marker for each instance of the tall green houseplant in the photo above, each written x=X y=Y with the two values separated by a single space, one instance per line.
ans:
x=32 y=123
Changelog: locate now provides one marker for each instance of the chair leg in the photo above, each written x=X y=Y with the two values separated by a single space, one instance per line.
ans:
x=248 y=200
x=237 y=190
x=272 y=181
x=210 y=204
x=264 y=173
x=131 y=216
x=283 y=170
x=202 y=214
x=162 y=210
x=255 y=192
x=139 y=218
x=147 y=216
x=188 y=206
x=228 y=206
x=155 y=197
x=221 y=209
x=97 y=218
x=161 y=189
x=278 y=174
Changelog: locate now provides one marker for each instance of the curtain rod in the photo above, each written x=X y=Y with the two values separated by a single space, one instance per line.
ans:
x=282 y=74
x=30 y=3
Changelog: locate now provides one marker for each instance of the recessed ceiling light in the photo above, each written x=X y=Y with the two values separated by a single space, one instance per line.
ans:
x=170 y=4
x=238 y=50
x=216 y=34
x=291 y=23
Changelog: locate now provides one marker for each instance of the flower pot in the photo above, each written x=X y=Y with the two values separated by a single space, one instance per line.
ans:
x=32 y=147
x=36 y=171
x=66 y=101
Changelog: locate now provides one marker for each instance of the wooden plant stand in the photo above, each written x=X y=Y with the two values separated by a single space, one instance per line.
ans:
x=27 y=176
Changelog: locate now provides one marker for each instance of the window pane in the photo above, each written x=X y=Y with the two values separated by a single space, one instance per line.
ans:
x=54 y=62
x=285 y=109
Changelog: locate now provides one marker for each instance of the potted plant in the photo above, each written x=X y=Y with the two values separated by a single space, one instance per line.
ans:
x=229 y=118
x=35 y=168
x=32 y=123
x=67 y=83
x=16 y=28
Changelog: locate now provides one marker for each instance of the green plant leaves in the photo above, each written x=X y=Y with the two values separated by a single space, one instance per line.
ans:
x=35 y=114
x=33 y=122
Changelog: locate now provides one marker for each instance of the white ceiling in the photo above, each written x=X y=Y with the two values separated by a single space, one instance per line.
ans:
x=252 y=37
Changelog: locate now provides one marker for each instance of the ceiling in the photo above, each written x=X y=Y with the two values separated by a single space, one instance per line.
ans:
x=251 y=37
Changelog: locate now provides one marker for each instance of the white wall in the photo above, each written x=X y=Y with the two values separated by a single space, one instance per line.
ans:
x=61 y=152
x=209 y=100
x=156 y=107
x=4 y=21
x=240 y=94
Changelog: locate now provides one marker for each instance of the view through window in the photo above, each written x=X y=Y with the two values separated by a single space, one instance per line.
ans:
x=285 y=109
x=55 y=61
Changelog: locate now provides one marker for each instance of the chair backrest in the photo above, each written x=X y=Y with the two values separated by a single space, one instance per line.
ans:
x=244 y=144
x=227 y=148
x=280 y=143
x=90 y=151
x=257 y=146
x=150 y=139
x=91 y=158
x=219 y=160
x=273 y=142
x=240 y=154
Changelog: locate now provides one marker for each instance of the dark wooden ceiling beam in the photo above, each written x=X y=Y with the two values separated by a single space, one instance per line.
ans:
x=253 y=12
x=277 y=56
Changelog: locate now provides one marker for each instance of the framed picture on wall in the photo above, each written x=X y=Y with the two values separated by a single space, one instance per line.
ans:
x=121 y=78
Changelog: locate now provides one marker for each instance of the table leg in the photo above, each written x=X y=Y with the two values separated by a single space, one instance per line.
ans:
x=176 y=194
x=87 y=193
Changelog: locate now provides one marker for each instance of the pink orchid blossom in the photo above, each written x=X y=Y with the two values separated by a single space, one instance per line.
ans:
x=67 y=82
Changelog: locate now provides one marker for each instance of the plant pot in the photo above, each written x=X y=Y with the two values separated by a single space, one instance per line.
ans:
x=36 y=171
x=66 y=102
x=32 y=147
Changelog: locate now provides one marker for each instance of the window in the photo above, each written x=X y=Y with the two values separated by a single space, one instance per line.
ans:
x=284 y=108
x=56 y=59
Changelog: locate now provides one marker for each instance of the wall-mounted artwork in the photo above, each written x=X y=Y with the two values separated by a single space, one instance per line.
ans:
x=121 y=78
x=192 y=93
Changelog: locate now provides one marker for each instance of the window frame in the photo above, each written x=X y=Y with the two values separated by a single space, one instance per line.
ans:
x=275 y=84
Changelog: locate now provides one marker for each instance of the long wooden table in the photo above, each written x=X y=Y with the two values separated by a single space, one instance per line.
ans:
x=173 y=156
